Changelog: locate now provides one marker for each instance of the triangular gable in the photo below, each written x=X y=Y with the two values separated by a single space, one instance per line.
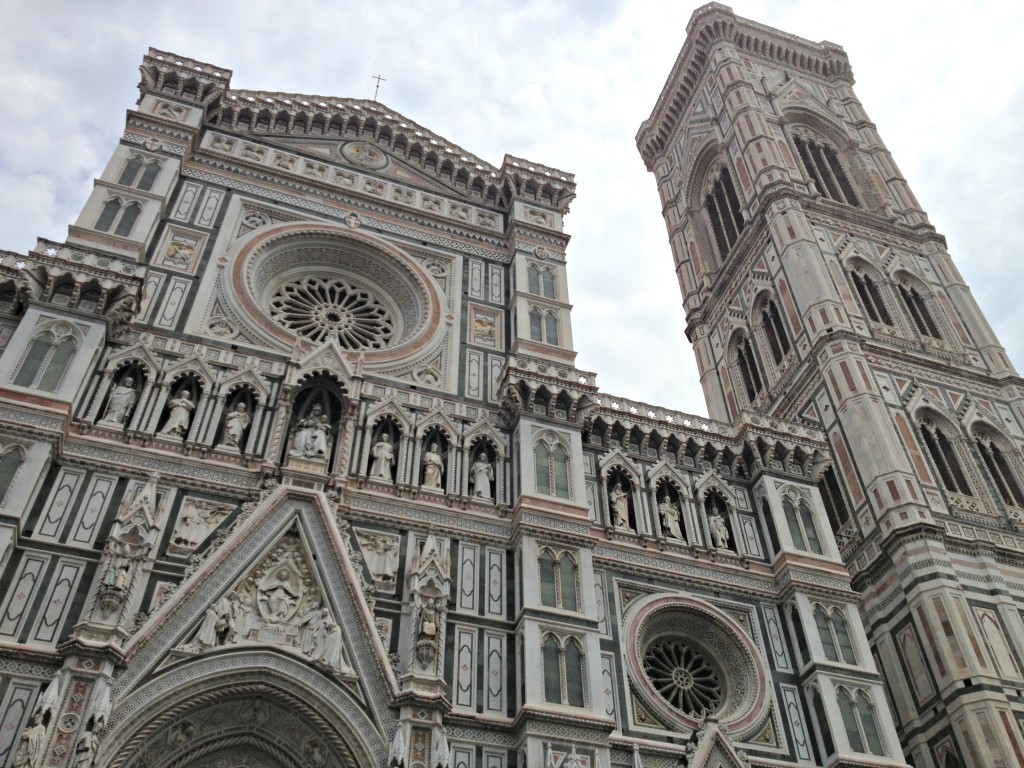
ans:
x=328 y=359
x=713 y=750
x=246 y=377
x=137 y=354
x=303 y=519
x=667 y=470
x=388 y=408
x=438 y=418
x=485 y=430
x=616 y=457
x=195 y=365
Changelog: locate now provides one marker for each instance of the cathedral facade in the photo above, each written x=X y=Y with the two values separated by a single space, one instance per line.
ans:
x=296 y=468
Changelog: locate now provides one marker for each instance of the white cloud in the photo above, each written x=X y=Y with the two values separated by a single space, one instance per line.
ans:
x=564 y=84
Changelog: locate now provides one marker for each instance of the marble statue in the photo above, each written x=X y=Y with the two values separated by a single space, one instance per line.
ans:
x=181 y=414
x=331 y=649
x=619 y=501
x=670 y=519
x=31 y=745
x=235 y=425
x=381 y=556
x=278 y=594
x=241 y=607
x=428 y=619
x=85 y=750
x=311 y=624
x=122 y=398
x=433 y=468
x=218 y=625
x=119 y=570
x=719 y=531
x=481 y=475
x=310 y=439
x=383 y=458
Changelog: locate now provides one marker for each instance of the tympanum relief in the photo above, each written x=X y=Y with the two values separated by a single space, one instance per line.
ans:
x=279 y=604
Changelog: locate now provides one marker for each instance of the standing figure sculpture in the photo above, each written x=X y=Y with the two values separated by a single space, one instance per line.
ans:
x=122 y=398
x=669 y=519
x=383 y=458
x=235 y=425
x=619 y=501
x=31 y=745
x=181 y=414
x=433 y=468
x=719 y=531
x=85 y=750
x=481 y=475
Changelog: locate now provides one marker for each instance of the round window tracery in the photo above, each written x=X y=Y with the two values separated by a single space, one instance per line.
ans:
x=321 y=307
x=684 y=677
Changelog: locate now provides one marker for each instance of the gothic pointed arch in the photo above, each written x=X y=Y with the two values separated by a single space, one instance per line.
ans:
x=137 y=354
x=246 y=377
x=194 y=367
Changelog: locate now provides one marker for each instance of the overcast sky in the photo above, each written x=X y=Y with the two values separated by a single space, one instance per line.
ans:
x=565 y=84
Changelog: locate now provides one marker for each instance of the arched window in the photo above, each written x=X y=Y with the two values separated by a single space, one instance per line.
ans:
x=536 y=324
x=833 y=500
x=722 y=208
x=139 y=173
x=533 y=279
x=47 y=360
x=558 y=580
x=124 y=216
x=552 y=469
x=551 y=327
x=1002 y=473
x=821 y=164
x=10 y=463
x=774 y=330
x=945 y=459
x=919 y=312
x=818 y=707
x=834 y=635
x=552 y=670
x=797 y=628
x=746 y=363
x=870 y=297
x=547 y=283
x=564 y=672
x=801 y=525
x=859 y=722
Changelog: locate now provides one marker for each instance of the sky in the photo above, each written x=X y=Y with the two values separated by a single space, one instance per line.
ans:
x=565 y=84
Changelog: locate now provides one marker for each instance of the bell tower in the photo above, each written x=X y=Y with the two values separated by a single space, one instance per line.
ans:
x=817 y=290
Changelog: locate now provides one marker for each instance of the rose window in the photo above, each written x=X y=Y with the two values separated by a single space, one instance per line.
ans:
x=683 y=677
x=321 y=307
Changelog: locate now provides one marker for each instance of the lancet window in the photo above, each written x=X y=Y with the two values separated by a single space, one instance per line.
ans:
x=945 y=458
x=834 y=634
x=722 y=208
x=800 y=521
x=821 y=164
x=563 y=671
x=46 y=361
x=551 y=464
x=139 y=173
x=924 y=322
x=774 y=330
x=746 y=364
x=543 y=326
x=818 y=707
x=10 y=462
x=859 y=721
x=540 y=281
x=558 y=577
x=870 y=297
x=118 y=216
x=1001 y=471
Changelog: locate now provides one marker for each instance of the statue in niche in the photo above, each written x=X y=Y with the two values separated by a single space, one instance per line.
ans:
x=121 y=400
x=310 y=439
x=118 y=575
x=85 y=750
x=241 y=608
x=278 y=594
x=481 y=475
x=181 y=414
x=433 y=468
x=669 y=515
x=719 y=531
x=31 y=745
x=381 y=556
x=428 y=619
x=383 y=453
x=235 y=425
x=619 y=501
x=217 y=627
